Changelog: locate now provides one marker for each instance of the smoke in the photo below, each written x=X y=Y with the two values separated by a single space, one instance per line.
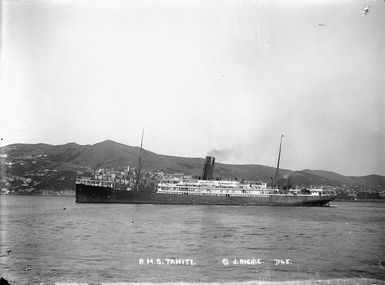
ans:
x=254 y=150
x=224 y=155
x=220 y=155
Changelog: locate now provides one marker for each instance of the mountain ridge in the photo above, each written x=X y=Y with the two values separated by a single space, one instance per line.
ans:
x=112 y=154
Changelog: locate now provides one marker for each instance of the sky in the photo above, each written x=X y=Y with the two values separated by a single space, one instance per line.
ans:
x=201 y=77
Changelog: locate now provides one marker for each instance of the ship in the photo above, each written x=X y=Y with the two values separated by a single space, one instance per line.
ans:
x=203 y=190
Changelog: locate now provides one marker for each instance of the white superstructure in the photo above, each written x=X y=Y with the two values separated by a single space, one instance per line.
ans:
x=215 y=188
x=227 y=188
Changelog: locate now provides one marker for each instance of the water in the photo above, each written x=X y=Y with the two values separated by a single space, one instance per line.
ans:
x=105 y=243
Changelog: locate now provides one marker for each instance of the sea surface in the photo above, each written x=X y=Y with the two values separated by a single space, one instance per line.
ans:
x=53 y=239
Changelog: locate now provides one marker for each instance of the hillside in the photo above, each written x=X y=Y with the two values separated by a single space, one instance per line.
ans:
x=32 y=160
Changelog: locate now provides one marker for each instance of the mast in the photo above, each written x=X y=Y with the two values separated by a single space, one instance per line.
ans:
x=279 y=158
x=139 y=163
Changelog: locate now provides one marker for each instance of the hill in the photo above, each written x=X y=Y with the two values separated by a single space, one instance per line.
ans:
x=39 y=160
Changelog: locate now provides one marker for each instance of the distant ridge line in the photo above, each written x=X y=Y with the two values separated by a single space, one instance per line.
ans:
x=112 y=154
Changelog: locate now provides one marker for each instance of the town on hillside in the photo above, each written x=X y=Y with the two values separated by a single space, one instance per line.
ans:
x=34 y=174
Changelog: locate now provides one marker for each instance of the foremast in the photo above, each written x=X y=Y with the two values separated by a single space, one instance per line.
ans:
x=139 y=164
x=279 y=158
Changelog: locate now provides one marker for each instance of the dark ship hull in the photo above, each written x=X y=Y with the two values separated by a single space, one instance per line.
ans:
x=97 y=194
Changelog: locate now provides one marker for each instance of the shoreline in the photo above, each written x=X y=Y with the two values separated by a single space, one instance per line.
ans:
x=36 y=194
x=73 y=194
x=360 y=200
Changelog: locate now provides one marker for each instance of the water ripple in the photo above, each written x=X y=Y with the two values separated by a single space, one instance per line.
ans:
x=97 y=243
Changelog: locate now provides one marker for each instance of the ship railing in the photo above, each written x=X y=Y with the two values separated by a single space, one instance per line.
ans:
x=223 y=192
x=91 y=182
x=201 y=193
x=220 y=189
x=218 y=193
x=216 y=186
